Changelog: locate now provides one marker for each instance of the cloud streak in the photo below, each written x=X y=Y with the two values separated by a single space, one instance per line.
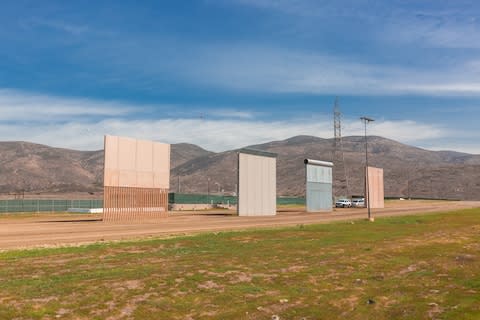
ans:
x=20 y=106
x=81 y=124
x=58 y=25
x=215 y=135
x=263 y=69
x=27 y=107
x=149 y=62
x=453 y=24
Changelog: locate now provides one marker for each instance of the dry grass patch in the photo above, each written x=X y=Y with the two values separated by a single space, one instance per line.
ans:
x=416 y=267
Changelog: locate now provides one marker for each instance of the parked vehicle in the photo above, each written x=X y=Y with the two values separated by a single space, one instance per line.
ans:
x=343 y=203
x=358 y=202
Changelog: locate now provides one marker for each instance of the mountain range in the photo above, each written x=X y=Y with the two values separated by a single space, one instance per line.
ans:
x=408 y=171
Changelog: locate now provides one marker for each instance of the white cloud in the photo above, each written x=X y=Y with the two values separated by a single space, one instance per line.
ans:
x=27 y=107
x=465 y=146
x=81 y=124
x=446 y=88
x=406 y=131
x=21 y=106
x=230 y=113
x=216 y=135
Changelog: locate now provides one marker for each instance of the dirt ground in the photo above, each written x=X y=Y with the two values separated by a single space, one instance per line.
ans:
x=46 y=230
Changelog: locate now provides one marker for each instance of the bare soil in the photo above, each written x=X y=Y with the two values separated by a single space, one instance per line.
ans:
x=46 y=230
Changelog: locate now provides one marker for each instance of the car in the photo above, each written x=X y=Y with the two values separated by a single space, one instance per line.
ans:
x=343 y=203
x=358 y=202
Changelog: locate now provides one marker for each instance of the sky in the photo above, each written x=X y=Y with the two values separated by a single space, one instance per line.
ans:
x=226 y=74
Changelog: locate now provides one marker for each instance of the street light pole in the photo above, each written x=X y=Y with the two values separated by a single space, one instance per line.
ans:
x=367 y=120
x=208 y=190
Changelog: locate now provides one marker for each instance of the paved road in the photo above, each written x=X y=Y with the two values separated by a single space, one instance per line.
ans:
x=55 y=230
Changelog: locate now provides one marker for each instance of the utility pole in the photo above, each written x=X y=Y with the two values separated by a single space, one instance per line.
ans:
x=208 y=190
x=367 y=120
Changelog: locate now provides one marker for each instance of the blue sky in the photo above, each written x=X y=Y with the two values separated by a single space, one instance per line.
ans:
x=225 y=74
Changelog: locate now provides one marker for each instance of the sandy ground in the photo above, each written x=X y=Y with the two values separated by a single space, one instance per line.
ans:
x=46 y=230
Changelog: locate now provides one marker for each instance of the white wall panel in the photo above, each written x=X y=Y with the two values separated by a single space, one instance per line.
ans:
x=257 y=185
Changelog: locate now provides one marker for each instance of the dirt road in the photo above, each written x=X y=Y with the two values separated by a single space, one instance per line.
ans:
x=55 y=230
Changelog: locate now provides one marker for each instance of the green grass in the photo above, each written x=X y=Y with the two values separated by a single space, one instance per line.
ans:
x=414 y=267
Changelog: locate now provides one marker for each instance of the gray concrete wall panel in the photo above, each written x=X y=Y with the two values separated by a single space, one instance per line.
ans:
x=319 y=174
x=319 y=180
x=319 y=197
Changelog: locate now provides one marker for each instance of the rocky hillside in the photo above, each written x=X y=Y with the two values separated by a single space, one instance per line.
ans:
x=36 y=168
x=409 y=171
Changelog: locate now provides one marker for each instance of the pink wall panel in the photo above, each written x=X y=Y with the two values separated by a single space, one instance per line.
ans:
x=376 y=188
x=136 y=179
x=144 y=162
x=111 y=157
x=161 y=165
x=127 y=150
x=136 y=163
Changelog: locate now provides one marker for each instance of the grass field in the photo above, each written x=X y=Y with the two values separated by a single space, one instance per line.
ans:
x=414 y=267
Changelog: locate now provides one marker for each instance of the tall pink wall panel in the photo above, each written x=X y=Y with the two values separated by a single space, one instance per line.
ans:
x=136 y=179
x=136 y=163
x=376 y=188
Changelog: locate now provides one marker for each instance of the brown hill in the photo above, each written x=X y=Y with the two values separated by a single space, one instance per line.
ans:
x=36 y=168
x=409 y=171
x=184 y=152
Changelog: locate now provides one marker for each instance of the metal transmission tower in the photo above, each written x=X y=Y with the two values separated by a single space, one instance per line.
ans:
x=339 y=169
x=337 y=124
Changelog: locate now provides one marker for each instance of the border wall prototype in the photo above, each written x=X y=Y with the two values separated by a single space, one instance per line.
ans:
x=376 y=192
x=257 y=183
x=319 y=185
x=136 y=179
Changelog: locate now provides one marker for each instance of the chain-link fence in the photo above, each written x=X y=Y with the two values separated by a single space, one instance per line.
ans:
x=50 y=205
x=47 y=205
x=181 y=198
